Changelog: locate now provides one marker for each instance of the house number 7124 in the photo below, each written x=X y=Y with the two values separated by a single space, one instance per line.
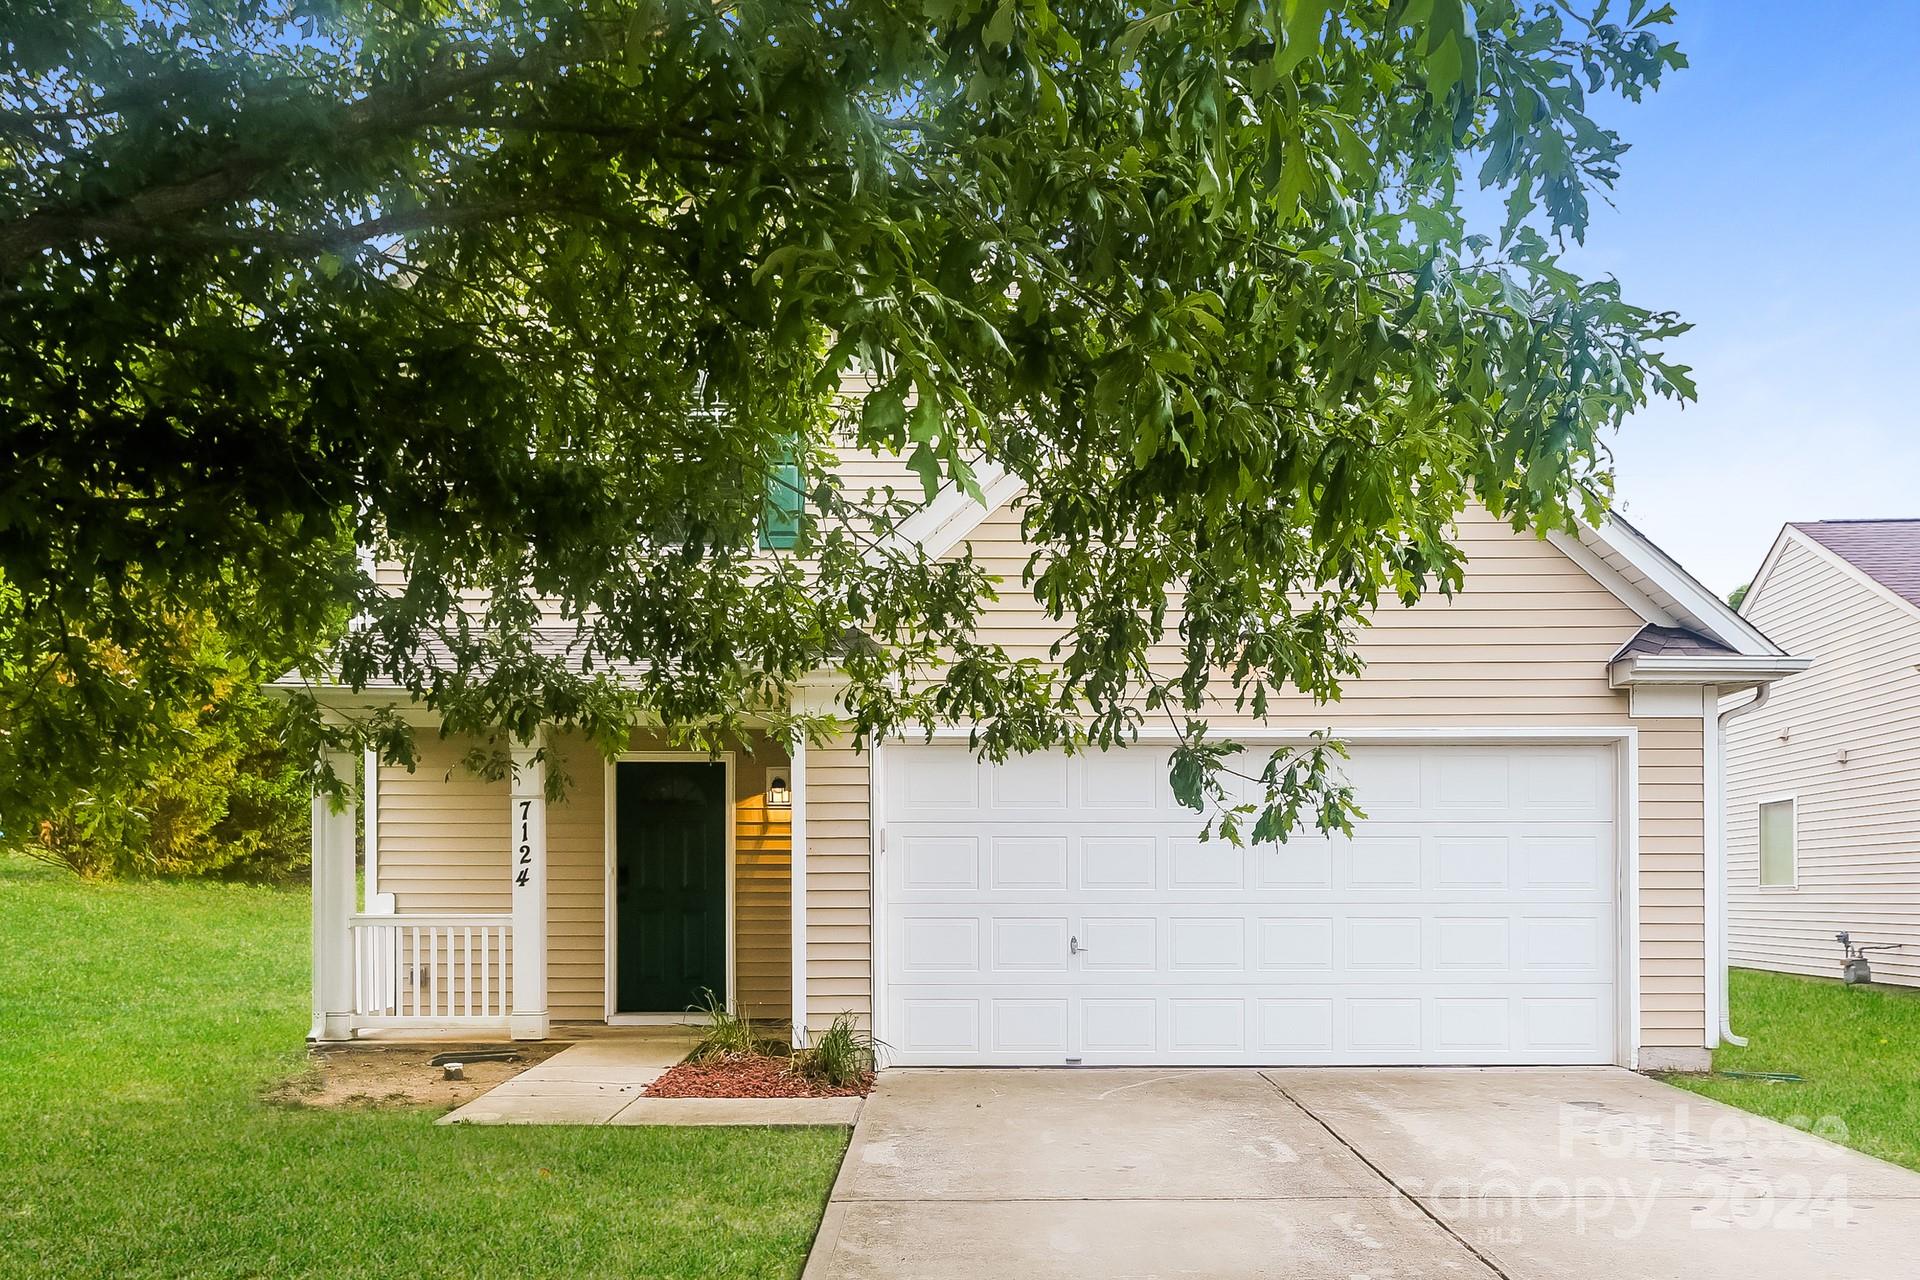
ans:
x=526 y=846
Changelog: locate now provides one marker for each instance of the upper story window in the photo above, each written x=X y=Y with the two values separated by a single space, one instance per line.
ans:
x=1779 y=858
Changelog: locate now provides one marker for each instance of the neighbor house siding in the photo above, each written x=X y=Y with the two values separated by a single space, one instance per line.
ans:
x=443 y=848
x=1526 y=644
x=1859 y=821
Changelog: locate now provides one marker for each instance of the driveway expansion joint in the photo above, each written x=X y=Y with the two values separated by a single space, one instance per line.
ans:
x=1383 y=1175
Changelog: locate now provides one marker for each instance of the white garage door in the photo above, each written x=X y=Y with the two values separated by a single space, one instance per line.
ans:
x=1054 y=910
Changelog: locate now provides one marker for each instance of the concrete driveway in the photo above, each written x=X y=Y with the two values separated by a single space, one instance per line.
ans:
x=1355 y=1175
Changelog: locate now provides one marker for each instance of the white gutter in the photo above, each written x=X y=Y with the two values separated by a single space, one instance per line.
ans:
x=1717 y=877
x=1734 y=669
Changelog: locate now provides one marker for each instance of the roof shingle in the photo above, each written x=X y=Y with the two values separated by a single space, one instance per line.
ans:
x=1888 y=551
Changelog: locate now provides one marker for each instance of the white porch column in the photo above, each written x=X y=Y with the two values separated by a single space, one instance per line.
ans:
x=797 y=778
x=528 y=1017
x=333 y=831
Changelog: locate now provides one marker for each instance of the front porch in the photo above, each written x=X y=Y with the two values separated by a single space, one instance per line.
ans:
x=488 y=910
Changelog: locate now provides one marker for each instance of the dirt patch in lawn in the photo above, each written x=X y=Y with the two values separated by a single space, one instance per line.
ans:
x=756 y=1077
x=402 y=1075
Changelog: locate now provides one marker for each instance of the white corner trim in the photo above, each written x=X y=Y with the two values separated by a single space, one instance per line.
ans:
x=877 y=950
x=1714 y=851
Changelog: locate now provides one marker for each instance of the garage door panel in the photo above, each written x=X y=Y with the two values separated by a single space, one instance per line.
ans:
x=1118 y=863
x=1444 y=862
x=1068 y=910
x=1294 y=1024
x=1027 y=863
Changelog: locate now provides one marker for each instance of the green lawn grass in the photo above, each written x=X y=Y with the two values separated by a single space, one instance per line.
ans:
x=138 y=1025
x=1858 y=1049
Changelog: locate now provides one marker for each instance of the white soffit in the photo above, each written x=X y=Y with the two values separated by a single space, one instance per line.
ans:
x=1651 y=583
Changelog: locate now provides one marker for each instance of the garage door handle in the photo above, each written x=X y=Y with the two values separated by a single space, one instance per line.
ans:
x=1074 y=947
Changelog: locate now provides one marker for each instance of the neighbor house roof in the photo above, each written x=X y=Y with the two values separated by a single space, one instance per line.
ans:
x=1888 y=551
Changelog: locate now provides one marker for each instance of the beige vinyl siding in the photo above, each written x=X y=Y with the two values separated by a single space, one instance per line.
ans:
x=443 y=848
x=577 y=885
x=1858 y=845
x=1673 y=881
x=443 y=833
x=1526 y=644
x=839 y=884
x=762 y=894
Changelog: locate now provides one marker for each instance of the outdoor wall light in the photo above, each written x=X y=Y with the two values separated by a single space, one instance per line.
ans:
x=779 y=790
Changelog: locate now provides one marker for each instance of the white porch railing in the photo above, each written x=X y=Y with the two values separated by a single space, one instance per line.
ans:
x=431 y=970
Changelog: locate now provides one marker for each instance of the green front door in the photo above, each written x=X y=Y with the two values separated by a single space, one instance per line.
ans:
x=670 y=883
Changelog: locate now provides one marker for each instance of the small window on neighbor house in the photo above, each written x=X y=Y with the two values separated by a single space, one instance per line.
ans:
x=1777 y=869
x=780 y=515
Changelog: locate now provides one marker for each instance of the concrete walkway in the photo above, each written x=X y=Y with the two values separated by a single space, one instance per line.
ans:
x=1595 y=1173
x=588 y=1083
x=601 y=1081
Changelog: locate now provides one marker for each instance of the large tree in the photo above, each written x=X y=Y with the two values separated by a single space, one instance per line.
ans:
x=535 y=296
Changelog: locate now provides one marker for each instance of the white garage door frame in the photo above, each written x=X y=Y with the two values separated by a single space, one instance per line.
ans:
x=1625 y=740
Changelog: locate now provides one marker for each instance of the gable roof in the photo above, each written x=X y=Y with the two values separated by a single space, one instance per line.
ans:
x=1888 y=551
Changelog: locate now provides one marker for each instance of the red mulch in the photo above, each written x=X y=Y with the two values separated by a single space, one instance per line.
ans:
x=757 y=1077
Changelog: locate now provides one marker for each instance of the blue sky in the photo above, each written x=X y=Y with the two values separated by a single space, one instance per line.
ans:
x=1772 y=197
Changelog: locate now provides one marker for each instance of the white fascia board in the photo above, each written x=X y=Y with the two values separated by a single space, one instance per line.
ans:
x=1766 y=566
x=1704 y=610
x=1724 y=668
x=1576 y=550
x=945 y=522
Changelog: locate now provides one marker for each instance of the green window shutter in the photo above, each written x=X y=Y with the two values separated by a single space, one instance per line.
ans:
x=780 y=515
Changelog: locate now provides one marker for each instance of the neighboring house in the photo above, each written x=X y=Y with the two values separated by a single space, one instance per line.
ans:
x=1823 y=780
x=1535 y=880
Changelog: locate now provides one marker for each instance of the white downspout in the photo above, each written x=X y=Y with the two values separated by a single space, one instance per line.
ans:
x=1760 y=697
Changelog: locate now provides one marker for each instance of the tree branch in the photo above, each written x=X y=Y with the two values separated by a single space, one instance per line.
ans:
x=146 y=214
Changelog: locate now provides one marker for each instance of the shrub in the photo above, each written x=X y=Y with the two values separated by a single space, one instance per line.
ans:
x=219 y=795
x=728 y=1034
x=842 y=1056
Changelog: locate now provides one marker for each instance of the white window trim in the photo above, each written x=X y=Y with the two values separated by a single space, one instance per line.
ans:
x=611 y=951
x=1791 y=799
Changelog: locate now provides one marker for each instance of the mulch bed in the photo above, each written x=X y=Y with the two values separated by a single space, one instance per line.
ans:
x=757 y=1077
